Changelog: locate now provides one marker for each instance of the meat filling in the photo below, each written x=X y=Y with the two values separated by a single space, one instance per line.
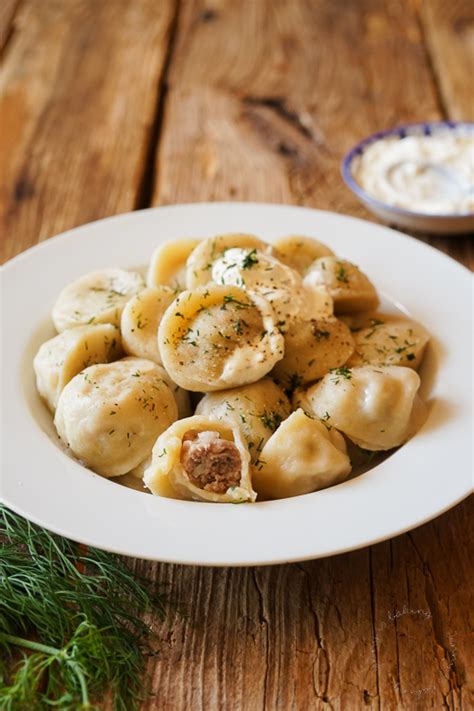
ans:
x=211 y=463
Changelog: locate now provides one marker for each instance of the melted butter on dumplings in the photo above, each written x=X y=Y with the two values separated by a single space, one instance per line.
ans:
x=110 y=415
x=218 y=336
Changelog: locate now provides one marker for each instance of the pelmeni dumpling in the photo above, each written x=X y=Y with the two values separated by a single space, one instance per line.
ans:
x=183 y=401
x=265 y=275
x=62 y=357
x=258 y=409
x=312 y=348
x=202 y=258
x=168 y=263
x=372 y=405
x=141 y=317
x=387 y=340
x=299 y=252
x=348 y=286
x=217 y=337
x=96 y=297
x=201 y=458
x=301 y=456
x=110 y=415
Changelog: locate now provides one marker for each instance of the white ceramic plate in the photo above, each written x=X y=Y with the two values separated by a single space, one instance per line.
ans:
x=421 y=480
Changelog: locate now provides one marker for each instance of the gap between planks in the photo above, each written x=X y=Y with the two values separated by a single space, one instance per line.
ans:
x=149 y=175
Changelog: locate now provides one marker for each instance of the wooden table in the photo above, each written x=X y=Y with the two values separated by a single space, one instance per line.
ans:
x=114 y=105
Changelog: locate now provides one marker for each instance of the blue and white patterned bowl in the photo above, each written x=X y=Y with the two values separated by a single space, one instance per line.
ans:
x=453 y=223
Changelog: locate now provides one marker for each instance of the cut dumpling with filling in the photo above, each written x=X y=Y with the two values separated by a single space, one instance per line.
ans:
x=168 y=263
x=302 y=456
x=386 y=340
x=258 y=409
x=110 y=415
x=62 y=357
x=141 y=317
x=96 y=297
x=201 y=260
x=348 y=286
x=299 y=252
x=201 y=458
x=265 y=275
x=218 y=336
x=312 y=348
x=372 y=405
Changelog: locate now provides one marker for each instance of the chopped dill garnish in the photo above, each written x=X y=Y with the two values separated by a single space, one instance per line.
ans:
x=229 y=299
x=374 y=322
x=71 y=623
x=271 y=420
x=341 y=274
x=339 y=373
x=250 y=259
x=319 y=334
x=239 y=326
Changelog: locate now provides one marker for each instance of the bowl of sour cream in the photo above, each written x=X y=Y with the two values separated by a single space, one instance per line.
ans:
x=418 y=176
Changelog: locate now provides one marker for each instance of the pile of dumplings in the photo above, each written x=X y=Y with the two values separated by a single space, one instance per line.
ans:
x=239 y=369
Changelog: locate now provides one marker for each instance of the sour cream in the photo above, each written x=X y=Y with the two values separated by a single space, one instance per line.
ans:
x=429 y=174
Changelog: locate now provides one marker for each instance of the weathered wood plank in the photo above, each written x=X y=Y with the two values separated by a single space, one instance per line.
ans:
x=294 y=86
x=449 y=32
x=272 y=118
x=387 y=627
x=266 y=112
x=79 y=95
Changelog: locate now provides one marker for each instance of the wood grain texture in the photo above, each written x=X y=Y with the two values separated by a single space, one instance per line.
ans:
x=295 y=85
x=449 y=32
x=390 y=627
x=263 y=98
x=79 y=92
x=265 y=113
x=8 y=9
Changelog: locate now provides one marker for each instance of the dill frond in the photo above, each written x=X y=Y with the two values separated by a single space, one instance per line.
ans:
x=72 y=624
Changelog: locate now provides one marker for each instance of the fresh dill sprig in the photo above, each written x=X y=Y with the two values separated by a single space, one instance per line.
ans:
x=71 y=622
